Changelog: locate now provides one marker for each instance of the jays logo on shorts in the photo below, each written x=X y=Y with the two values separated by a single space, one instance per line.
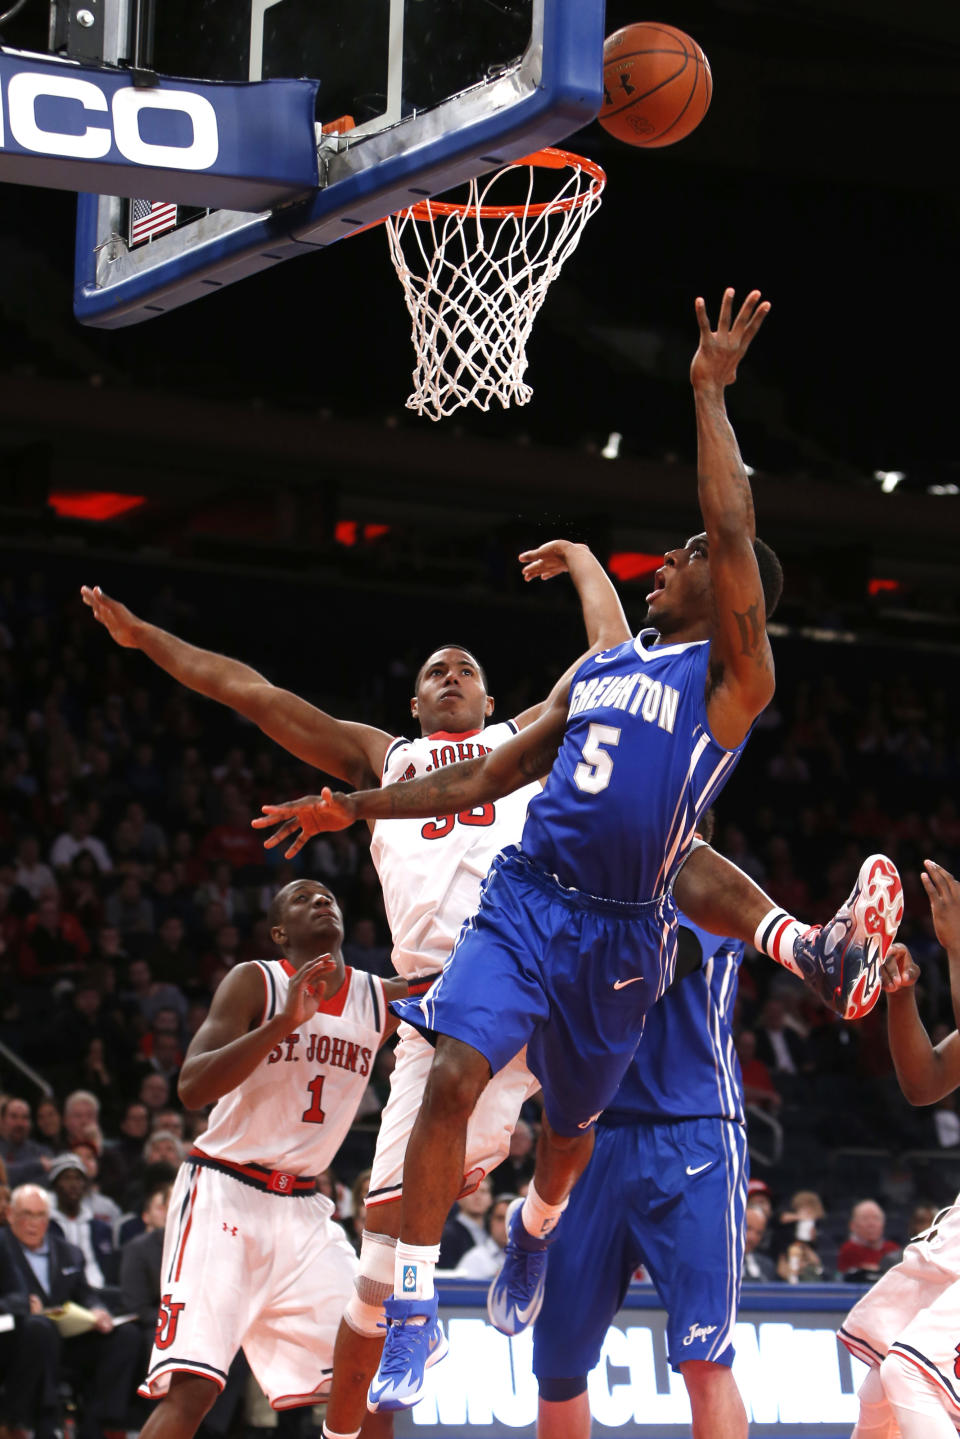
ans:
x=671 y=1197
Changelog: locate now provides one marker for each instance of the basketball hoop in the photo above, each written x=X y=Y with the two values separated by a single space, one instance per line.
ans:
x=477 y=275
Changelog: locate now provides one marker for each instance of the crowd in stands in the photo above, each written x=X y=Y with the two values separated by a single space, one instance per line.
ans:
x=131 y=883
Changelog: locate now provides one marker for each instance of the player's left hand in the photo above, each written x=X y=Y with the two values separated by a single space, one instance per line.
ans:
x=313 y=814
x=721 y=350
x=547 y=560
x=900 y=970
x=943 y=892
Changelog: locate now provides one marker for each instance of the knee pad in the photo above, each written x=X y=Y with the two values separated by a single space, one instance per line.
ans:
x=558 y=1391
x=374 y=1284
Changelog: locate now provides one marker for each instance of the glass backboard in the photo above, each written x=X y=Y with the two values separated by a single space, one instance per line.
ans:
x=413 y=97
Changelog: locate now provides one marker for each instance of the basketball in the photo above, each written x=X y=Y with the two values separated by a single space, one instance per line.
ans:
x=656 y=85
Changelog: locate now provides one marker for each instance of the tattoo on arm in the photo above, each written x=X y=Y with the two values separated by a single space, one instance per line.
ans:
x=432 y=789
x=751 y=628
x=536 y=762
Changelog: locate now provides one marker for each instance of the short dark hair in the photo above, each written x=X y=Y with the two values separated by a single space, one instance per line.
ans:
x=436 y=650
x=771 y=575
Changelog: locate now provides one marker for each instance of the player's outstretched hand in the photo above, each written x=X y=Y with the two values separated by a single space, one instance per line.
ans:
x=548 y=560
x=721 y=350
x=114 y=616
x=900 y=969
x=306 y=989
x=313 y=814
x=943 y=892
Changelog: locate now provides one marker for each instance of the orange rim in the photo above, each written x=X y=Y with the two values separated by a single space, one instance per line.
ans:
x=547 y=159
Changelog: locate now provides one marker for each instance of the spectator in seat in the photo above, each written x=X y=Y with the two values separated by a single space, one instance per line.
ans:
x=31 y=873
x=140 y=1272
x=758 y=1268
x=26 y=1160
x=464 y=1227
x=39 y=1269
x=122 y=1160
x=861 y=1255
x=72 y=1213
x=49 y=1125
x=52 y=944
x=483 y=1261
x=74 y=839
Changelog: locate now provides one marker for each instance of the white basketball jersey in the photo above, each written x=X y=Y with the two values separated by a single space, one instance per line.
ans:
x=431 y=870
x=293 y=1112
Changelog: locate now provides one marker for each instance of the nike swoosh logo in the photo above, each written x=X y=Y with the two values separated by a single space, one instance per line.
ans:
x=622 y=983
x=605 y=659
x=700 y=1168
x=524 y=1315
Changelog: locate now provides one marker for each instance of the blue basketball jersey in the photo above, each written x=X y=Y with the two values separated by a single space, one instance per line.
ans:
x=686 y=1066
x=636 y=769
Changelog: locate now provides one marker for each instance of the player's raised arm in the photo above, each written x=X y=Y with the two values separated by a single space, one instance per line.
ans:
x=603 y=615
x=226 y=1049
x=450 y=790
x=741 y=661
x=927 y=1072
x=353 y=752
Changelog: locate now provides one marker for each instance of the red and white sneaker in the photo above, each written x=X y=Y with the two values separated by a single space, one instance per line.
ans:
x=842 y=960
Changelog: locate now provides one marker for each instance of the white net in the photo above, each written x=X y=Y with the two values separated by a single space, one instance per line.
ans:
x=475 y=274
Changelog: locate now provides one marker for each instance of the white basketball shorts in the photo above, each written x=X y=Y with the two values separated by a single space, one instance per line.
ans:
x=270 y=1273
x=488 y=1133
x=914 y=1309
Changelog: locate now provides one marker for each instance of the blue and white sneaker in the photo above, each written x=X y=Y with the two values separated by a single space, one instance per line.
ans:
x=415 y=1340
x=515 y=1296
x=842 y=960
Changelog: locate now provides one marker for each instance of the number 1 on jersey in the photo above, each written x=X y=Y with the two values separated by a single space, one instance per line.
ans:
x=593 y=773
x=315 y=1115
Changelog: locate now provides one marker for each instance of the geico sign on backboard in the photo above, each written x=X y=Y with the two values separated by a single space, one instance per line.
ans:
x=244 y=147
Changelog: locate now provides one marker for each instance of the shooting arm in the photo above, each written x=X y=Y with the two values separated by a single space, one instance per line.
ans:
x=741 y=660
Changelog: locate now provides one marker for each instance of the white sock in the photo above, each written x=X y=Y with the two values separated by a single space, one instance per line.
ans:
x=413 y=1270
x=332 y=1434
x=876 y=1416
x=537 y=1216
x=776 y=936
x=915 y=1401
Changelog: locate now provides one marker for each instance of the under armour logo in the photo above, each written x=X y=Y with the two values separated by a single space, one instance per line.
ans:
x=229 y=1228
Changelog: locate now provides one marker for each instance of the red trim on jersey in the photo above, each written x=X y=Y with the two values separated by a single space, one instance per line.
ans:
x=266 y=993
x=297 y=1401
x=416 y=987
x=460 y=734
x=384 y=1199
x=147 y=1391
x=333 y=1005
x=187 y=1228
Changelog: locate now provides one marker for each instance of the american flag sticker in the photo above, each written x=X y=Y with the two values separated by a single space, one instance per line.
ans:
x=149 y=218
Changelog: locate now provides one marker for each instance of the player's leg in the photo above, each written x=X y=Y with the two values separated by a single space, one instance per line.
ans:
x=875 y=1420
x=919 y=1407
x=919 y=1372
x=564 y=1418
x=840 y=960
x=182 y=1409
x=715 y=1404
x=591 y=1264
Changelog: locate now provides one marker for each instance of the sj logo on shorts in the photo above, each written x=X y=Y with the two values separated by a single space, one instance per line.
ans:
x=956 y=1367
x=168 y=1318
x=409 y=1283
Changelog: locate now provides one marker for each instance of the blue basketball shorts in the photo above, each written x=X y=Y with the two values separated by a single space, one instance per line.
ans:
x=567 y=974
x=671 y=1197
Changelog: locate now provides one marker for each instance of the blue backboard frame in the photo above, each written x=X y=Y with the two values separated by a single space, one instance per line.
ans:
x=555 y=89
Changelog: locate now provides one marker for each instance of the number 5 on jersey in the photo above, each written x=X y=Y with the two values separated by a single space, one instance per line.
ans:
x=593 y=772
